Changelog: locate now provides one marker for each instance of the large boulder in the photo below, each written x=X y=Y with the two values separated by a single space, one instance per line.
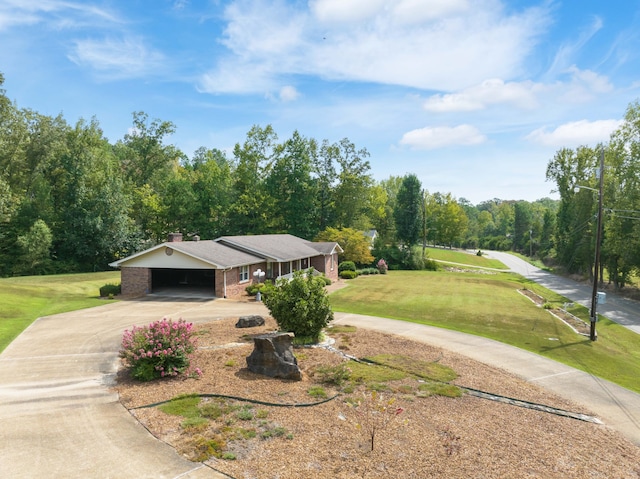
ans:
x=250 y=321
x=273 y=356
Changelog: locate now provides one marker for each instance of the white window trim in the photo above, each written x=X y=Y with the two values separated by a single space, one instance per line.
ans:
x=244 y=271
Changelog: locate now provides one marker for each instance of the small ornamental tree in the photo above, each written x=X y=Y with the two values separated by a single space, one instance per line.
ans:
x=158 y=350
x=382 y=266
x=300 y=305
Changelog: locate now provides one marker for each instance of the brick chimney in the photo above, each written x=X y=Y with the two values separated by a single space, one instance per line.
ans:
x=174 y=237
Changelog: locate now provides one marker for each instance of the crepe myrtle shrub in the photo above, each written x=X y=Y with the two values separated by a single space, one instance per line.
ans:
x=300 y=305
x=161 y=349
x=382 y=266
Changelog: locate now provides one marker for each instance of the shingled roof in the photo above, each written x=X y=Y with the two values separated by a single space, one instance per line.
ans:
x=232 y=251
x=278 y=247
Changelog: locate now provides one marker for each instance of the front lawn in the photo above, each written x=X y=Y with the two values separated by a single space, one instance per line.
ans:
x=490 y=305
x=23 y=299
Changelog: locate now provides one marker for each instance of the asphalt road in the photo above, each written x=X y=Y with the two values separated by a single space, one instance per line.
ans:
x=621 y=310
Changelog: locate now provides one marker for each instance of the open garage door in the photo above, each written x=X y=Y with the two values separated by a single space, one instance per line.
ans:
x=199 y=282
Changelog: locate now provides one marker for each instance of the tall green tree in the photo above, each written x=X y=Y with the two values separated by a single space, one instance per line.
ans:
x=575 y=223
x=408 y=211
x=621 y=249
x=522 y=225
x=252 y=209
x=35 y=246
x=324 y=168
x=144 y=156
x=351 y=194
x=292 y=188
x=212 y=182
x=92 y=223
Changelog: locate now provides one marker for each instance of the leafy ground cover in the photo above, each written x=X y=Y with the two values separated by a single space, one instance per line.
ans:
x=463 y=257
x=26 y=298
x=490 y=305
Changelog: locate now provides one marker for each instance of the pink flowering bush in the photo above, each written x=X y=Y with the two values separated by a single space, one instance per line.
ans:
x=382 y=266
x=159 y=350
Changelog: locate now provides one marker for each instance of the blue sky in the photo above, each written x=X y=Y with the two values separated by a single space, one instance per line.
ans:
x=473 y=96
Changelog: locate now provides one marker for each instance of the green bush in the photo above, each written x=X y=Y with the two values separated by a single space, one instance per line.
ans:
x=327 y=281
x=109 y=289
x=253 y=289
x=348 y=274
x=300 y=305
x=346 y=266
x=367 y=271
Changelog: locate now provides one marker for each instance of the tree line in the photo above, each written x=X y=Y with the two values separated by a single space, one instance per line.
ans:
x=575 y=172
x=71 y=200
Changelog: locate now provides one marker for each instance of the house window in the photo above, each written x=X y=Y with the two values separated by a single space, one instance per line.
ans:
x=244 y=273
x=269 y=269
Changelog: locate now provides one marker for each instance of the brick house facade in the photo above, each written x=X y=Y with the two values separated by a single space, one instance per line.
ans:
x=223 y=267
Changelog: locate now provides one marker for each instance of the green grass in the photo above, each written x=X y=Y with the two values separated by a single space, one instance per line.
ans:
x=185 y=405
x=490 y=306
x=461 y=257
x=24 y=299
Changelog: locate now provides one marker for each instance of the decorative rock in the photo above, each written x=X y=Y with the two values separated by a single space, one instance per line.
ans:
x=250 y=321
x=273 y=356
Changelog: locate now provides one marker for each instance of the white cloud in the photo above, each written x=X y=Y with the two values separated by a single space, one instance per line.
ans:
x=345 y=11
x=51 y=13
x=581 y=86
x=489 y=92
x=430 y=138
x=289 y=93
x=123 y=58
x=237 y=78
x=434 y=45
x=574 y=134
x=584 y=85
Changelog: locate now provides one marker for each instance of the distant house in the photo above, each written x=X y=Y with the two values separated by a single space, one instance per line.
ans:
x=225 y=266
x=371 y=235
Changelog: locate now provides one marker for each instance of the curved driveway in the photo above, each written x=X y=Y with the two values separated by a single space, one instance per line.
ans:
x=58 y=415
x=60 y=418
x=621 y=310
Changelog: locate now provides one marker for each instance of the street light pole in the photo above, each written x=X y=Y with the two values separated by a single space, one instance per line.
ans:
x=596 y=266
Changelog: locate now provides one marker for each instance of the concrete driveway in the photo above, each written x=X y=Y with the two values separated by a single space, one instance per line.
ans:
x=59 y=418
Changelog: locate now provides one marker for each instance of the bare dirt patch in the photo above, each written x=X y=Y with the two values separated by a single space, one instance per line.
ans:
x=434 y=436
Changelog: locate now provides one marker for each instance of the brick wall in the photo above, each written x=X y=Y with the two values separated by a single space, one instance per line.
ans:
x=135 y=281
x=323 y=264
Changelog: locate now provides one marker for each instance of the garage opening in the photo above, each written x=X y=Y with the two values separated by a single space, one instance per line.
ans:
x=200 y=282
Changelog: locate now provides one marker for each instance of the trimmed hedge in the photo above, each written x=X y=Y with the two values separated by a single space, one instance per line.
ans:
x=109 y=289
x=348 y=274
x=346 y=266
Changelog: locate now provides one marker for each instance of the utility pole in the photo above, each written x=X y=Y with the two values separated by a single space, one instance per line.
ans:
x=596 y=266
